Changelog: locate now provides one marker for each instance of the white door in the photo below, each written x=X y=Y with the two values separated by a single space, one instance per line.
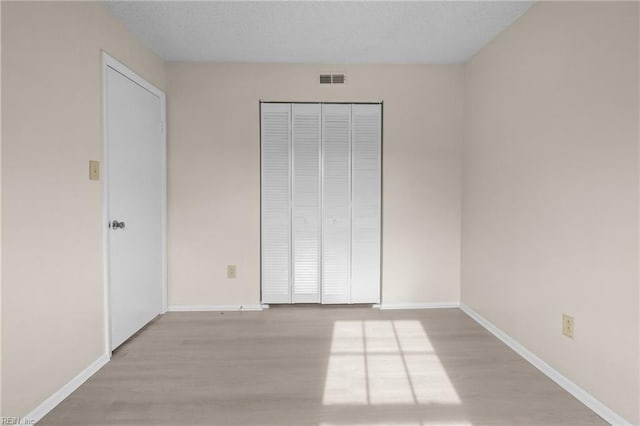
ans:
x=135 y=149
x=365 y=202
x=276 y=203
x=305 y=138
x=336 y=203
x=321 y=202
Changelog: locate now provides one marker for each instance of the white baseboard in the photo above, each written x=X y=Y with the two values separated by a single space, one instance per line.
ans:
x=214 y=308
x=436 y=305
x=50 y=403
x=580 y=394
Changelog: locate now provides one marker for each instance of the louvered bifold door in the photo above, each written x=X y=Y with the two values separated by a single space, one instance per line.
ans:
x=276 y=209
x=365 y=203
x=336 y=183
x=305 y=133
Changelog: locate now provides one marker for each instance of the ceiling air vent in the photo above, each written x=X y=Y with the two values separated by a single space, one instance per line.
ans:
x=331 y=78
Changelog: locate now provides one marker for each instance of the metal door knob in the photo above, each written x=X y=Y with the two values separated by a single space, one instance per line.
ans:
x=115 y=225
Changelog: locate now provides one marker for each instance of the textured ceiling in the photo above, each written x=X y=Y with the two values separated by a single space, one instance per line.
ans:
x=438 y=32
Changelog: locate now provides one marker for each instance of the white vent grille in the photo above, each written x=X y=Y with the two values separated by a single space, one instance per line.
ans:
x=332 y=79
x=337 y=79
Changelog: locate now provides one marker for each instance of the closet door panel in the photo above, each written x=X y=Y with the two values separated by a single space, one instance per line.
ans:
x=276 y=214
x=336 y=236
x=365 y=208
x=306 y=202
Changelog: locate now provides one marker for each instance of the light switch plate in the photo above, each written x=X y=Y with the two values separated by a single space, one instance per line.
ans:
x=94 y=170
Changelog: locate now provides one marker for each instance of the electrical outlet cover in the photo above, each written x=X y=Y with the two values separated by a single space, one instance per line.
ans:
x=567 y=325
x=231 y=271
x=94 y=170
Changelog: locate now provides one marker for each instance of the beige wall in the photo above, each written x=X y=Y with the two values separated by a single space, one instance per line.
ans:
x=214 y=174
x=52 y=290
x=550 y=191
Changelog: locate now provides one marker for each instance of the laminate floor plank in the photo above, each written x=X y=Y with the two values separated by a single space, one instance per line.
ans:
x=320 y=366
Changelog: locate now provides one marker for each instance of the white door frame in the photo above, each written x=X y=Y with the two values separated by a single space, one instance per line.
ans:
x=109 y=61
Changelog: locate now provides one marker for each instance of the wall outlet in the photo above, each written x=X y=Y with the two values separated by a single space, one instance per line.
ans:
x=567 y=325
x=231 y=271
x=94 y=170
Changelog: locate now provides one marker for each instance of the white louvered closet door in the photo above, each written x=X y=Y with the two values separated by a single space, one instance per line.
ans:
x=276 y=214
x=336 y=198
x=365 y=203
x=305 y=133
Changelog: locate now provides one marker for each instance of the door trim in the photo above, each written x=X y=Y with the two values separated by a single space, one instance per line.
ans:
x=109 y=61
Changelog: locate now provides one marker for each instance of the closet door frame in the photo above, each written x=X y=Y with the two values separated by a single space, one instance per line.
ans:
x=381 y=103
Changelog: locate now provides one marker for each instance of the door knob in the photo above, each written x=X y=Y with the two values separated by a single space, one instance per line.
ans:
x=115 y=225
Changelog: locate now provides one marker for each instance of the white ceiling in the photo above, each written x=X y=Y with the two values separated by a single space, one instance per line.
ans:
x=438 y=32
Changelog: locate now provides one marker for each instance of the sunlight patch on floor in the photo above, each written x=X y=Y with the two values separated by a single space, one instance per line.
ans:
x=385 y=362
x=347 y=383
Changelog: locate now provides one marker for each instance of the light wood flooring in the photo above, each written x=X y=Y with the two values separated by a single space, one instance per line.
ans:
x=318 y=366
